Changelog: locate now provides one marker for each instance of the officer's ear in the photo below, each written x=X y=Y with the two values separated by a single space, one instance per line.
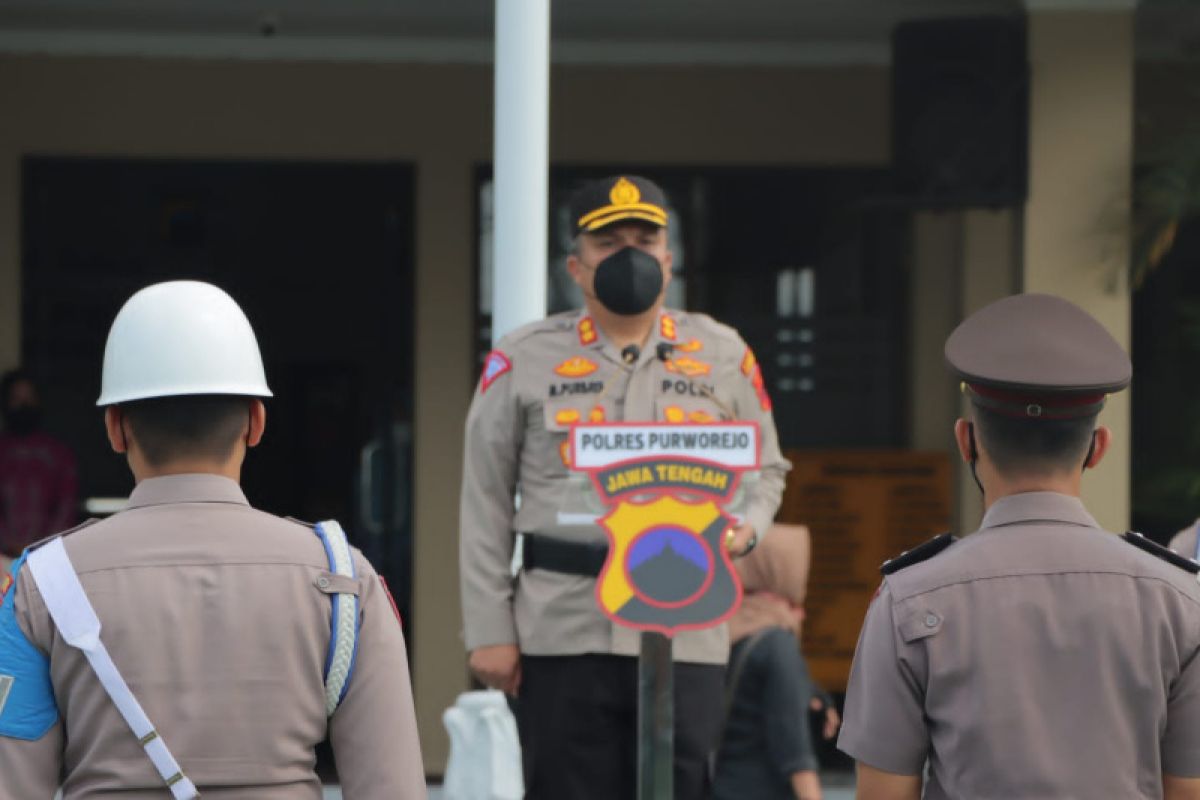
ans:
x=114 y=426
x=258 y=423
x=1101 y=439
x=964 y=439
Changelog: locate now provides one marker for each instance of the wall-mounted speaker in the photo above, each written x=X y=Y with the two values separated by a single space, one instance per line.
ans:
x=960 y=111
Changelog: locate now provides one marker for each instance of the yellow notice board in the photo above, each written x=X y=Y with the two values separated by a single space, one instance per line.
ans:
x=862 y=507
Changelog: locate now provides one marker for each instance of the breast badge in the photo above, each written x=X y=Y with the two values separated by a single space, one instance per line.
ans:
x=686 y=365
x=577 y=367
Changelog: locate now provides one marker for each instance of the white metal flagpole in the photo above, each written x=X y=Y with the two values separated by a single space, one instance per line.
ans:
x=521 y=163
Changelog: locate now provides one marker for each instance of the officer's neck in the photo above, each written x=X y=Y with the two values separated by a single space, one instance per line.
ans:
x=623 y=330
x=142 y=470
x=997 y=486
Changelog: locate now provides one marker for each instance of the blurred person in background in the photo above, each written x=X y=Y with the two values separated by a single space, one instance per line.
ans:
x=766 y=749
x=38 y=482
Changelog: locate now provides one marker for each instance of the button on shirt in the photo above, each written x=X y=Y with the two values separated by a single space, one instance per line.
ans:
x=1041 y=657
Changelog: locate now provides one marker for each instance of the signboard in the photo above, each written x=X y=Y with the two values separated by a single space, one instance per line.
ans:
x=862 y=508
x=665 y=487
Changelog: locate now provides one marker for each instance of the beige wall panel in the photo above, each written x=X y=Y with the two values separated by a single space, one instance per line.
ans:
x=1077 y=218
x=989 y=272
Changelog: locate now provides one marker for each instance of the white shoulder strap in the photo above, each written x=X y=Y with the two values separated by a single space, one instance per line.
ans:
x=343 y=642
x=76 y=620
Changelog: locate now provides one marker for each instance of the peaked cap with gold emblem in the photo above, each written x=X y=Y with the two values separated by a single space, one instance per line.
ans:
x=598 y=204
x=1037 y=356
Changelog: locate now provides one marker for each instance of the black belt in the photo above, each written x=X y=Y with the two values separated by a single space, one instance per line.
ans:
x=558 y=555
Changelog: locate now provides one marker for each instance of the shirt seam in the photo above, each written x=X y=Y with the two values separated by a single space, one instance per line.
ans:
x=977 y=579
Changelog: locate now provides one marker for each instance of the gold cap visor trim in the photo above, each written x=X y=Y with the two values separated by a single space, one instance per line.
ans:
x=587 y=220
x=659 y=220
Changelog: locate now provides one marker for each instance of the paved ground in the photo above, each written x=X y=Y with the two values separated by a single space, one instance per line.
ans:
x=838 y=786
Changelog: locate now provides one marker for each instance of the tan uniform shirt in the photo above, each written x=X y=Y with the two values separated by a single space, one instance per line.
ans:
x=1184 y=542
x=211 y=611
x=1041 y=657
x=563 y=370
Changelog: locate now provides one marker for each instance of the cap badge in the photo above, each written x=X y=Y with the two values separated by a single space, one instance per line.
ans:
x=624 y=193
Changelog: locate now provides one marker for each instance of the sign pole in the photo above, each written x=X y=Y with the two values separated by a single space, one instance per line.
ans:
x=656 y=718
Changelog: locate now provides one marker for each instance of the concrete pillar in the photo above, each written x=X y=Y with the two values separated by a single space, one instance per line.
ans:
x=522 y=163
x=442 y=387
x=1077 y=218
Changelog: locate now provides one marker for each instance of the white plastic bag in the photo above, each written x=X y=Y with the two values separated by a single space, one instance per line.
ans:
x=485 y=752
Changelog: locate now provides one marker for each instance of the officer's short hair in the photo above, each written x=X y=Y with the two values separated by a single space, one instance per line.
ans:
x=191 y=426
x=1033 y=446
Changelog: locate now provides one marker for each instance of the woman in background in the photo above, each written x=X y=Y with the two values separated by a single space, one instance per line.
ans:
x=766 y=751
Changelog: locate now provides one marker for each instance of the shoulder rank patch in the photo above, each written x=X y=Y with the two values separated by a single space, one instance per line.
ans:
x=577 y=367
x=692 y=367
x=495 y=365
x=587 y=331
x=1155 y=549
x=667 y=327
x=922 y=552
x=752 y=370
x=690 y=346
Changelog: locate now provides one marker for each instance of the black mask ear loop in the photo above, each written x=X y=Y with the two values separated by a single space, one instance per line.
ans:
x=973 y=453
x=1091 y=452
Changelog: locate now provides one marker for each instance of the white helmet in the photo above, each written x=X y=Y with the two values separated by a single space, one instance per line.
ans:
x=180 y=338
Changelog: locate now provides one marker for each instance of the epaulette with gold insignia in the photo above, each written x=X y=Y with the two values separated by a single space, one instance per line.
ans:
x=922 y=552
x=1155 y=549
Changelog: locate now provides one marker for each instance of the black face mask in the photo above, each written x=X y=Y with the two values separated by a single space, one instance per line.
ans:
x=23 y=420
x=628 y=282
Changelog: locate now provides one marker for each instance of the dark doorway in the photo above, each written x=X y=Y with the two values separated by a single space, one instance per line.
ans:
x=319 y=256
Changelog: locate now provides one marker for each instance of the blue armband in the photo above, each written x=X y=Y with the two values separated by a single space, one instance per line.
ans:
x=27 y=707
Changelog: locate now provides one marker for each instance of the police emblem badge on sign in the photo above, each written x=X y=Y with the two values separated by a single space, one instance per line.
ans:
x=665 y=487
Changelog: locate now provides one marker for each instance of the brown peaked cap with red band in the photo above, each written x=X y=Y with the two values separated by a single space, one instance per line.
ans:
x=1037 y=356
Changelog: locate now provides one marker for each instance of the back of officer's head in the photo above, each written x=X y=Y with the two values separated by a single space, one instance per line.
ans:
x=187 y=429
x=1023 y=447
x=182 y=366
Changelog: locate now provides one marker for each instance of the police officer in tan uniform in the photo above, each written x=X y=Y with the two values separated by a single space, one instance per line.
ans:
x=540 y=636
x=243 y=639
x=1041 y=657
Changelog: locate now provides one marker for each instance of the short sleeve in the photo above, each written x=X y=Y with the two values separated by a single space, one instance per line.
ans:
x=1181 y=740
x=884 y=723
x=27 y=706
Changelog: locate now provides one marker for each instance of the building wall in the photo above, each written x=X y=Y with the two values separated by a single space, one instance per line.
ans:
x=439 y=118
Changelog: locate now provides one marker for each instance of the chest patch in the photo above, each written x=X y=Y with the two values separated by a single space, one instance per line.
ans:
x=577 y=367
